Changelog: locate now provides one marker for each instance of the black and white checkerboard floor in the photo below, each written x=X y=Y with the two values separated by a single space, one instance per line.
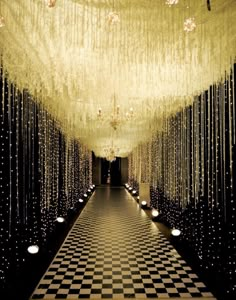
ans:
x=115 y=251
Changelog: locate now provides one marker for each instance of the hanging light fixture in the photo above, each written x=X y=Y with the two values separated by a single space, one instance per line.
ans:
x=116 y=118
x=189 y=24
x=2 y=22
x=110 y=155
x=110 y=152
x=50 y=3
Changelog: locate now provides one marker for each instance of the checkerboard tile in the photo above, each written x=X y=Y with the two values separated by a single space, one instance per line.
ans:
x=115 y=251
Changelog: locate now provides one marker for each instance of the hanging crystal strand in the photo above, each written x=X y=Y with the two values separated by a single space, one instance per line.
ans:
x=9 y=138
x=224 y=132
x=17 y=140
x=39 y=172
x=43 y=204
x=211 y=95
x=71 y=175
x=232 y=93
x=45 y=170
x=203 y=139
x=22 y=134
x=219 y=209
x=200 y=210
x=178 y=157
x=182 y=162
x=53 y=200
x=231 y=226
x=208 y=147
x=4 y=236
x=187 y=124
x=57 y=163
x=216 y=155
x=231 y=130
x=55 y=171
x=52 y=177
x=192 y=154
x=181 y=158
x=221 y=149
x=212 y=152
x=34 y=183
x=171 y=143
x=196 y=147
x=90 y=168
x=31 y=201
x=77 y=173
x=3 y=88
x=176 y=161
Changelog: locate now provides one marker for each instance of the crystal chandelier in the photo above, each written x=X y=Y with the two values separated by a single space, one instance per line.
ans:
x=111 y=152
x=189 y=24
x=116 y=118
x=111 y=156
x=50 y=3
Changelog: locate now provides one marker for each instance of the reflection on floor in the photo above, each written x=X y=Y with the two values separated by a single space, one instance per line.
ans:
x=115 y=251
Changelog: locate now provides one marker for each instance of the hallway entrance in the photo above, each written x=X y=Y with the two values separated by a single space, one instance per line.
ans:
x=115 y=251
x=113 y=173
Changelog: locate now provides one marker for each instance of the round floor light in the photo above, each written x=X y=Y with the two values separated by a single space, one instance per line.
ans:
x=144 y=203
x=155 y=213
x=60 y=219
x=33 y=249
x=81 y=200
x=175 y=232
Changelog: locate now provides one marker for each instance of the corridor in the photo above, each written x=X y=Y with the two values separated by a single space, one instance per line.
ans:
x=115 y=251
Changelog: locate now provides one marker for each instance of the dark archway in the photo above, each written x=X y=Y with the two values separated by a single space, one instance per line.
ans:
x=115 y=172
x=105 y=168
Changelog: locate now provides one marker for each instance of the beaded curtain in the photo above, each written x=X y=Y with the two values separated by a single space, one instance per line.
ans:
x=110 y=71
x=42 y=175
x=192 y=177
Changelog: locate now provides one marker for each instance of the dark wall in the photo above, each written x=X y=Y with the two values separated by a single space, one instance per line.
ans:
x=115 y=171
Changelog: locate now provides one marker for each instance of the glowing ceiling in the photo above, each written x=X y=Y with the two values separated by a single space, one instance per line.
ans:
x=112 y=70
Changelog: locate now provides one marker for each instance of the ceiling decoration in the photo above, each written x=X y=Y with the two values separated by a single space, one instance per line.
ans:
x=75 y=55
